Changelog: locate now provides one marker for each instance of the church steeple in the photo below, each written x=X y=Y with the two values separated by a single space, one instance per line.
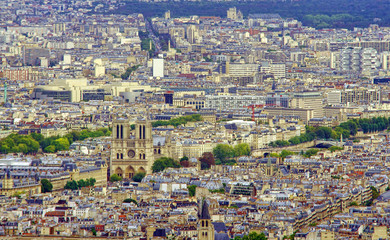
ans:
x=205 y=227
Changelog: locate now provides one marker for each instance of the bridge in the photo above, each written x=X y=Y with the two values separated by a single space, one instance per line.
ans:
x=327 y=144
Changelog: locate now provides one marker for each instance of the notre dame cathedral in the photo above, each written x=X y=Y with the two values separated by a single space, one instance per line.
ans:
x=135 y=150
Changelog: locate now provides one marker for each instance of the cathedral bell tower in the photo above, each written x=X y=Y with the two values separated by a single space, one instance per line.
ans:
x=131 y=150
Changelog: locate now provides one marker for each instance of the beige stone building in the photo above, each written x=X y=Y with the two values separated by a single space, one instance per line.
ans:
x=135 y=150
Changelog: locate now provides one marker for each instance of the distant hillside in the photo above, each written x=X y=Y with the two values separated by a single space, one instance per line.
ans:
x=316 y=13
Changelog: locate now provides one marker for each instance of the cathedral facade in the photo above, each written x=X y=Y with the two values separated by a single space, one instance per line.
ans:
x=134 y=150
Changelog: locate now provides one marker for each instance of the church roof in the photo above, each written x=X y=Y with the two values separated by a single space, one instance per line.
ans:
x=204 y=212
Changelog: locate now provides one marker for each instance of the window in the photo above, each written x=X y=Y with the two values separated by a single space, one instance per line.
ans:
x=117 y=156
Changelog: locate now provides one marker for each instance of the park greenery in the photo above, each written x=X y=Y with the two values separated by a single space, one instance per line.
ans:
x=314 y=13
x=46 y=186
x=139 y=176
x=30 y=144
x=75 y=185
x=145 y=43
x=285 y=153
x=115 y=178
x=129 y=70
x=225 y=153
x=164 y=162
x=178 y=121
x=252 y=236
x=346 y=129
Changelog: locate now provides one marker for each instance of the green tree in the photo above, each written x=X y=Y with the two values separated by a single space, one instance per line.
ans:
x=191 y=190
x=90 y=182
x=50 y=149
x=130 y=200
x=37 y=136
x=139 y=176
x=223 y=152
x=93 y=230
x=242 y=149
x=72 y=185
x=353 y=203
x=185 y=158
x=61 y=144
x=375 y=192
x=311 y=152
x=163 y=163
x=286 y=153
x=81 y=183
x=115 y=178
x=46 y=186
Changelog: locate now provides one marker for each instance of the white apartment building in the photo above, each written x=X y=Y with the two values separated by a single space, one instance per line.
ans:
x=232 y=101
x=359 y=59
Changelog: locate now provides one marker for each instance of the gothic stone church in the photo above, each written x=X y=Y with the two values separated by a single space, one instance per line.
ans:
x=135 y=150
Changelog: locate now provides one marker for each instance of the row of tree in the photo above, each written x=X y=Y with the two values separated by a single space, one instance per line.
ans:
x=75 y=185
x=225 y=153
x=178 y=121
x=15 y=143
x=345 y=129
x=252 y=236
x=145 y=43
x=222 y=154
x=30 y=144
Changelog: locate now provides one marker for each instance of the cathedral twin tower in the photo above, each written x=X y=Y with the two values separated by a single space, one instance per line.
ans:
x=132 y=151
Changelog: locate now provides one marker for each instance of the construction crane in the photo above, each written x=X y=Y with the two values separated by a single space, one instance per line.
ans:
x=253 y=107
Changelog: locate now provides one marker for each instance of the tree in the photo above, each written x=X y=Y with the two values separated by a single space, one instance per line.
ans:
x=130 y=200
x=311 y=152
x=46 y=186
x=222 y=152
x=72 y=185
x=115 y=178
x=185 y=163
x=242 y=149
x=81 y=183
x=185 y=158
x=375 y=192
x=61 y=144
x=207 y=160
x=353 y=203
x=286 y=153
x=191 y=190
x=50 y=149
x=37 y=136
x=163 y=163
x=90 y=182
x=139 y=176
x=93 y=230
